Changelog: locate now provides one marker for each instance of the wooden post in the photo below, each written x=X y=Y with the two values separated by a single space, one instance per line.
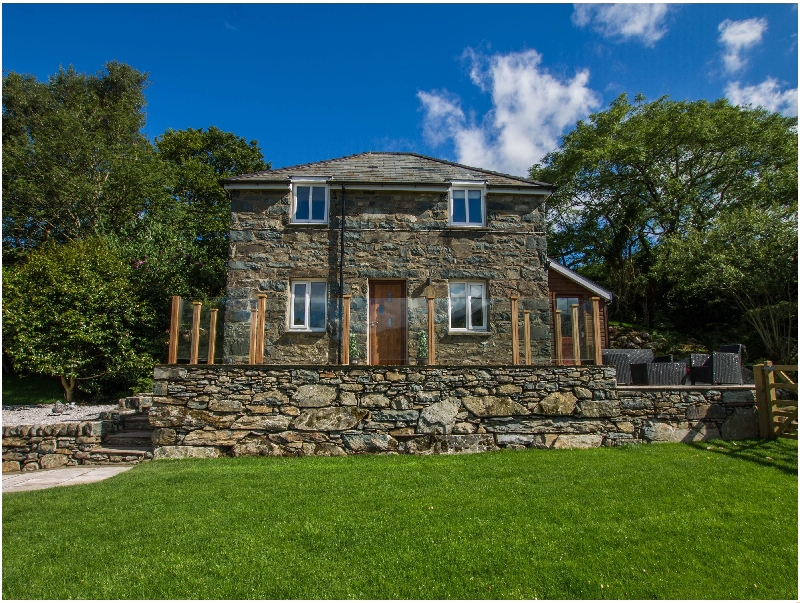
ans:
x=346 y=329
x=576 y=336
x=514 y=329
x=261 y=313
x=559 y=351
x=598 y=344
x=212 y=335
x=527 y=331
x=193 y=353
x=253 y=325
x=431 y=333
x=761 y=400
x=769 y=379
x=174 y=326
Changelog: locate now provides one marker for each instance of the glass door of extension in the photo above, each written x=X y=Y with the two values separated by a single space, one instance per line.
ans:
x=564 y=305
x=387 y=322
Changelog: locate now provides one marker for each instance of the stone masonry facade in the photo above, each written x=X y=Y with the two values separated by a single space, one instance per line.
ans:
x=221 y=410
x=401 y=235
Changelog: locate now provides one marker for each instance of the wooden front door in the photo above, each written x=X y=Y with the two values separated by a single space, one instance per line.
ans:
x=387 y=322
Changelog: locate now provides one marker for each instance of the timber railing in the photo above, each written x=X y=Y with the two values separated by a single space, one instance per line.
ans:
x=777 y=417
x=196 y=328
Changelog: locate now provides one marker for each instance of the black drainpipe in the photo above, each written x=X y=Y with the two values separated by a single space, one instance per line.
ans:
x=341 y=280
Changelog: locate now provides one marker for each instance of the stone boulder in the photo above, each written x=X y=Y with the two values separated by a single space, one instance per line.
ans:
x=583 y=440
x=493 y=406
x=51 y=461
x=163 y=436
x=256 y=446
x=217 y=437
x=330 y=419
x=314 y=395
x=558 y=404
x=439 y=417
x=369 y=442
x=262 y=423
x=185 y=452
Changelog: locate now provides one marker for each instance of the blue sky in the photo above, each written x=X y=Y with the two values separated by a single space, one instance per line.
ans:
x=488 y=85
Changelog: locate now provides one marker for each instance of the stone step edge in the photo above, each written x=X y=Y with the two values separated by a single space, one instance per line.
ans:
x=120 y=451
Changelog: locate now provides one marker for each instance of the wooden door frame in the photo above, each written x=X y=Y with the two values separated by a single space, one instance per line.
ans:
x=405 y=318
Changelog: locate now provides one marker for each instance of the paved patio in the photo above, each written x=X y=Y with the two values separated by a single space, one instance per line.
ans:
x=67 y=476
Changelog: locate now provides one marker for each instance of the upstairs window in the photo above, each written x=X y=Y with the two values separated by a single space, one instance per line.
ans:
x=467 y=206
x=308 y=306
x=310 y=203
x=468 y=306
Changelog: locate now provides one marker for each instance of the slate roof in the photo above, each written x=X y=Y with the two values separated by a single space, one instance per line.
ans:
x=384 y=168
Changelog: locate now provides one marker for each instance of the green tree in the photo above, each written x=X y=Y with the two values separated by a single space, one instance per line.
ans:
x=75 y=163
x=70 y=311
x=747 y=258
x=198 y=160
x=634 y=176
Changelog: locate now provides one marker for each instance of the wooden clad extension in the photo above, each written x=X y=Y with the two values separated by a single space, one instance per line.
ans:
x=567 y=285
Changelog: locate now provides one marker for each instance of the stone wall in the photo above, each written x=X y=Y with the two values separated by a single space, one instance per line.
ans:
x=33 y=447
x=274 y=410
x=389 y=235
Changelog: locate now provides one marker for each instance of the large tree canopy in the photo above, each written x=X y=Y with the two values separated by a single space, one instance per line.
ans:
x=77 y=169
x=75 y=163
x=636 y=175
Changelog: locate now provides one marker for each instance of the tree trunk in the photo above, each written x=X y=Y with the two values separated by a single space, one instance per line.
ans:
x=68 y=386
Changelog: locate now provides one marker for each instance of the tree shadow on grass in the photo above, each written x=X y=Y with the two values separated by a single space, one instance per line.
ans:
x=780 y=454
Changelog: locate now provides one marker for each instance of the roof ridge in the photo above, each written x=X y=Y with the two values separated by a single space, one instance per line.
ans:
x=461 y=165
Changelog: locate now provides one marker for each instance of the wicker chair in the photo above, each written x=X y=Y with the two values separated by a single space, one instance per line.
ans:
x=621 y=362
x=717 y=368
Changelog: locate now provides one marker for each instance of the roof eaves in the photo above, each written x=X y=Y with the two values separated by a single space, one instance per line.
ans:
x=581 y=280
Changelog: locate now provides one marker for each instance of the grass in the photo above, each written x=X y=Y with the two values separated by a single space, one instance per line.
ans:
x=670 y=521
x=33 y=389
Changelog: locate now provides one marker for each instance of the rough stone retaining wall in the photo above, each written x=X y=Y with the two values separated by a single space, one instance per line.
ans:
x=311 y=410
x=49 y=446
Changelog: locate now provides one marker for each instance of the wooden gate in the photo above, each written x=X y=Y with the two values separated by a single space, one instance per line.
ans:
x=776 y=418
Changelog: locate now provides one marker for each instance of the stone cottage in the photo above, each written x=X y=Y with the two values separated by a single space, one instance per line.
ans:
x=390 y=230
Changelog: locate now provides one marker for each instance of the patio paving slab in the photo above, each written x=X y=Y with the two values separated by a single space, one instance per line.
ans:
x=67 y=476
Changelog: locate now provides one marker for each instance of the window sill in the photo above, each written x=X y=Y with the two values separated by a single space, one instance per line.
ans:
x=310 y=224
x=469 y=333
x=307 y=331
x=467 y=227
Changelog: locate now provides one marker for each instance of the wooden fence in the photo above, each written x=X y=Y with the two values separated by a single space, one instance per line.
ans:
x=776 y=417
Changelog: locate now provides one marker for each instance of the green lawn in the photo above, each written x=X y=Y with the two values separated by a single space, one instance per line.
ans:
x=670 y=521
x=33 y=389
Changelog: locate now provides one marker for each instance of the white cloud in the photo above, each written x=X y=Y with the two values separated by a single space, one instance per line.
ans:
x=624 y=21
x=738 y=36
x=530 y=110
x=767 y=94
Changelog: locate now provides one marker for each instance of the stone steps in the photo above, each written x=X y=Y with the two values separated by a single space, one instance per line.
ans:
x=128 y=438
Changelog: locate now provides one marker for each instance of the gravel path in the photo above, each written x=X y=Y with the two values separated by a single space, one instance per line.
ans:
x=42 y=414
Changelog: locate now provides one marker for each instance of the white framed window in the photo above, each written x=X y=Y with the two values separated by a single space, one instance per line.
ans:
x=468 y=310
x=308 y=306
x=467 y=205
x=310 y=201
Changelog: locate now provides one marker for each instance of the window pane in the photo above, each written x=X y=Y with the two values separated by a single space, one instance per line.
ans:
x=299 y=305
x=458 y=306
x=316 y=308
x=317 y=204
x=301 y=211
x=459 y=207
x=477 y=313
x=564 y=305
x=475 y=213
